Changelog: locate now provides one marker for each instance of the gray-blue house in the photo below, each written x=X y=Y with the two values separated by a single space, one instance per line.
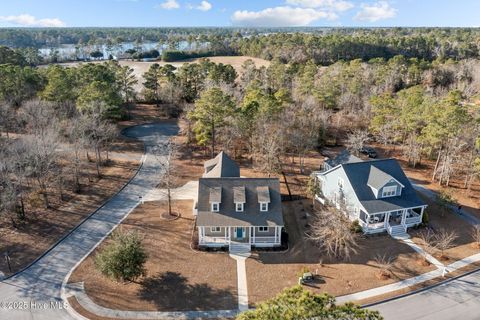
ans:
x=377 y=193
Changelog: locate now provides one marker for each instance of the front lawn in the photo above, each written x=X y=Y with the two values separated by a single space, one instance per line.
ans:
x=178 y=278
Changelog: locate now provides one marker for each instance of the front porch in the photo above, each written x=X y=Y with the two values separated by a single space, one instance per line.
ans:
x=394 y=222
x=261 y=236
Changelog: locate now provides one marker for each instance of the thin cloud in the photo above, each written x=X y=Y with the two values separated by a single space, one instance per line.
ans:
x=203 y=6
x=280 y=17
x=27 y=20
x=334 y=5
x=380 y=10
x=169 y=5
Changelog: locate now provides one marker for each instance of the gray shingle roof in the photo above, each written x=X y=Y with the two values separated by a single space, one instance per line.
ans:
x=221 y=166
x=251 y=216
x=358 y=174
x=342 y=158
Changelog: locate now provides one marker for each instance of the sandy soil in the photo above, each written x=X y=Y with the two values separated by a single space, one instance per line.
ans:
x=268 y=273
x=178 y=278
x=140 y=67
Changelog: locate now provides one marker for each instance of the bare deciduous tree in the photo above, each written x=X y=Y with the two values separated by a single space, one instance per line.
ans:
x=428 y=239
x=331 y=231
x=385 y=263
x=445 y=240
x=356 y=141
x=165 y=154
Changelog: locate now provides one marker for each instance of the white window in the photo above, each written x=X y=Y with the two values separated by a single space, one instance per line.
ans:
x=263 y=229
x=340 y=182
x=238 y=206
x=389 y=191
x=215 y=229
x=263 y=206
x=215 y=207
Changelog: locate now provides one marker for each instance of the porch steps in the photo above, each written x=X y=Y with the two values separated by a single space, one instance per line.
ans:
x=398 y=232
x=239 y=247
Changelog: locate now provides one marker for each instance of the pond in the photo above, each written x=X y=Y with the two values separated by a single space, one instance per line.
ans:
x=73 y=52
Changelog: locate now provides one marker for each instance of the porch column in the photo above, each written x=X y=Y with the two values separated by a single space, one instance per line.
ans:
x=226 y=228
x=421 y=214
x=253 y=234
x=250 y=235
x=201 y=233
x=275 y=234
x=404 y=216
x=229 y=232
x=387 y=218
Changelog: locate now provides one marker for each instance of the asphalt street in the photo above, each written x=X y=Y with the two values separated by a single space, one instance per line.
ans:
x=457 y=299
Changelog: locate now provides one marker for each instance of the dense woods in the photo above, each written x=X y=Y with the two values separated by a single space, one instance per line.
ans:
x=416 y=89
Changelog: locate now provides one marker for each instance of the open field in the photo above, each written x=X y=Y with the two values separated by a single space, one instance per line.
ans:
x=140 y=67
x=178 y=278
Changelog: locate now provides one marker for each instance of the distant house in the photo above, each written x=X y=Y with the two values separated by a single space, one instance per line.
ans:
x=237 y=212
x=377 y=193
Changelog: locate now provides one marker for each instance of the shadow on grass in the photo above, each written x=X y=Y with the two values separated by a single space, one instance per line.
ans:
x=170 y=291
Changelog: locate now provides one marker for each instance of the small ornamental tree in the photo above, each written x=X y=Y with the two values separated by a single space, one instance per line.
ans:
x=297 y=303
x=124 y=258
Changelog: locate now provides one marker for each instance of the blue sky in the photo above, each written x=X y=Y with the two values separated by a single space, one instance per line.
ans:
x=157 y=13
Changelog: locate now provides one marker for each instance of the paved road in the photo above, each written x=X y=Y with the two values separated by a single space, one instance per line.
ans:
x=458 y=299
x=36 y=292
x=468 y=217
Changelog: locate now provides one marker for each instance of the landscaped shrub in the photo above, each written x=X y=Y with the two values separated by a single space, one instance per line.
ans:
x=356 y=227
x=425 y=217
x=124 y=258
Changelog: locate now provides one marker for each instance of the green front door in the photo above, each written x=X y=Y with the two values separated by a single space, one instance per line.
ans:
x=239 y=233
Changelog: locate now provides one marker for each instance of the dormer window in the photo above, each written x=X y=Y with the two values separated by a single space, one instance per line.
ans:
x=239 y=198
x=389 y=191
x=215 y=206
x=263 y=206
x=239 y=206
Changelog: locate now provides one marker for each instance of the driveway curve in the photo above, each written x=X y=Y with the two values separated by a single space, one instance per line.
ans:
x=36 y=292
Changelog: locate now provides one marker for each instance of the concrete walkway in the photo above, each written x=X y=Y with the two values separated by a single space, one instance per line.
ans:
x=242 y=290
x=36 y=292
x=188 y=191
x=422 y=252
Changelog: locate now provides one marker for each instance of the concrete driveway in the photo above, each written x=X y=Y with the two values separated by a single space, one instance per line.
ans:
x=458 y=299
x=35 y=293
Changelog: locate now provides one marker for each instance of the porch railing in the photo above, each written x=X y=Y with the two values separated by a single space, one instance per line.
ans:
x=413 y=220
x=265 y=240
x=209 y=239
